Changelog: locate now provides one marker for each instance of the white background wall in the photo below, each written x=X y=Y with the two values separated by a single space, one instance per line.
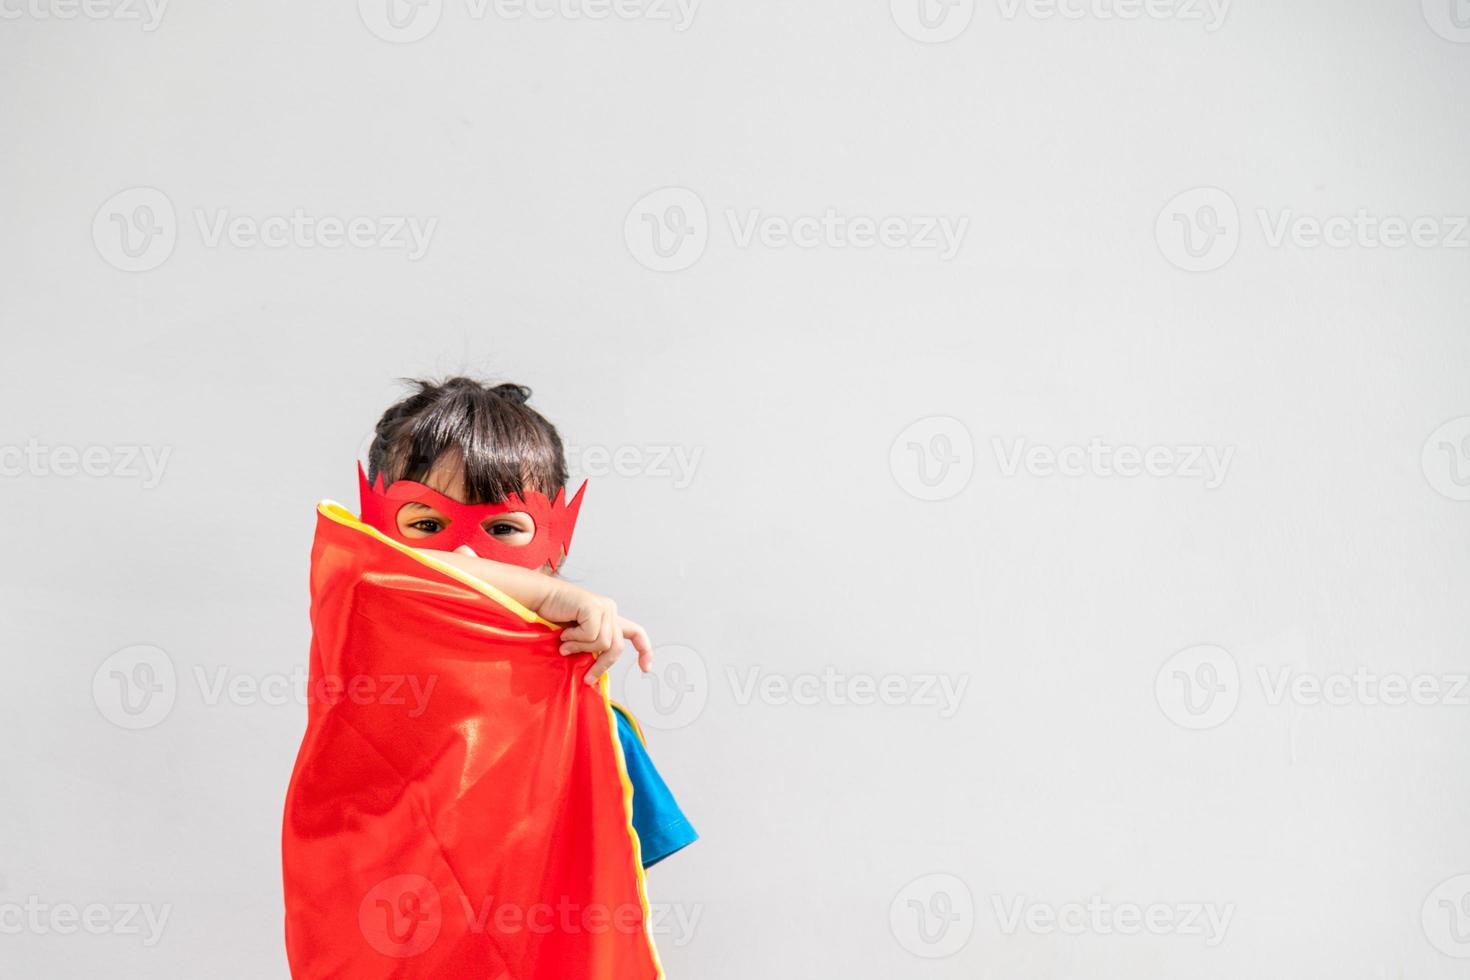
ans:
x=1115 y=645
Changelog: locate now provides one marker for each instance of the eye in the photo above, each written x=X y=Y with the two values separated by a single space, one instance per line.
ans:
x=428 y=525
x=500 y=529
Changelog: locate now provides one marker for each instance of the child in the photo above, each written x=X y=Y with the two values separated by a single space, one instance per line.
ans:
x=475 y=445
x=497 y=824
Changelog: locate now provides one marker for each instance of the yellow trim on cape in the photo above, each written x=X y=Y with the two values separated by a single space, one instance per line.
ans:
x=612 y=730
x=632 y=722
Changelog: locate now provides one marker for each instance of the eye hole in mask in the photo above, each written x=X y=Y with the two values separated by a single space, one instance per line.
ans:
x=552 y=521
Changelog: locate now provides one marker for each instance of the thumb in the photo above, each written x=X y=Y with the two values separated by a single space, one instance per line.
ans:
x=465 y=549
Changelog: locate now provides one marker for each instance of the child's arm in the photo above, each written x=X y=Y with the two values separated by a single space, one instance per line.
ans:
x=598 y=629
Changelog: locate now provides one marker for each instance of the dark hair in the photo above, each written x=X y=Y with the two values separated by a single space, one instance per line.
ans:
x=506 y=446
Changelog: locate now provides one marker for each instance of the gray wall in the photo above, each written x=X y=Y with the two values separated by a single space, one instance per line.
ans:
x=1078 y=594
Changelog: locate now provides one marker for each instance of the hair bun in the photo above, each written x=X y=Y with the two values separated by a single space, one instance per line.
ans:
x=519 y=394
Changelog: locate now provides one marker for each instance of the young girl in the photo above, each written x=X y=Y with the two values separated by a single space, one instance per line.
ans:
x=478 y=444
x=499 y=825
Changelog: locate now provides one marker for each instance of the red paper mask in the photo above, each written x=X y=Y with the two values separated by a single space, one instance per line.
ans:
x=554 y=519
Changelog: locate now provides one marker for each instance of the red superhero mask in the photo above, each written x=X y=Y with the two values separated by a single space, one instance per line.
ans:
x=554 y=519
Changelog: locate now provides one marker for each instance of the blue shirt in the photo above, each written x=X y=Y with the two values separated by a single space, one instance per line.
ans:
x=661 y=826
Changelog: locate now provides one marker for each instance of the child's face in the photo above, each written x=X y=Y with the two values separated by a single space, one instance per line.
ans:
x=418 y=521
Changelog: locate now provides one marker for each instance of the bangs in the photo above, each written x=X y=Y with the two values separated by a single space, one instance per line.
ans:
x=504 y=445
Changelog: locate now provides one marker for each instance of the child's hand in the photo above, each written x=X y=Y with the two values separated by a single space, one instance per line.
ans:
x=598 y=628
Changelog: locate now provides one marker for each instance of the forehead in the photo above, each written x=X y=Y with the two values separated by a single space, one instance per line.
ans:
x=447 y=476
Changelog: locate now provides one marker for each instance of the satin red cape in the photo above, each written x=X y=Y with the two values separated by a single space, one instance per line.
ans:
x=459 y=807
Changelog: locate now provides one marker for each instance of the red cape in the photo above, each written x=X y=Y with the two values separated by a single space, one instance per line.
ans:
x=459 y=807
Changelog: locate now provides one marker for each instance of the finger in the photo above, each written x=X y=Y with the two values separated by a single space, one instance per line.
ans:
x=638 y=636
x=465 y=549
x=589 y=624
x=609 y=637
x=568 y=649
x=600 y=666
